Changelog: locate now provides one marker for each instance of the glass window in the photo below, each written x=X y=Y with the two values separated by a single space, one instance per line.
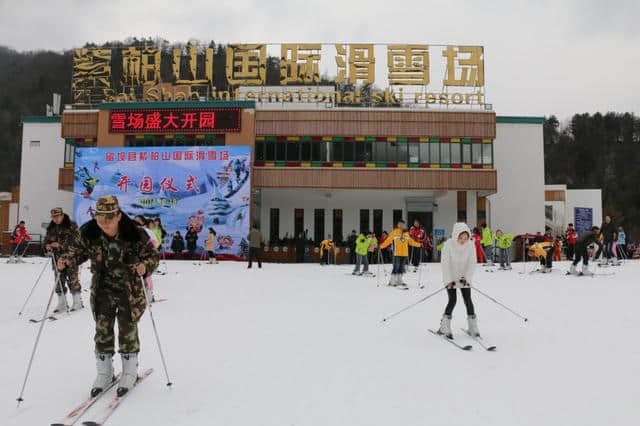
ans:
x=368 y=151
x=293 y=151
x=259 y=151
x=274 y=226
x=337 y=152
x=424 y=152
x=403 y=152
x=270 y=151
x=318 y=225
x=476 y=153
x=379 y=151
x=392 y=152
x=337 y=225
x=434 y=152
x=318 y=151
x=414 y=152
x=445 y=153
x=69 y=152
x=456 y=153
x=377 y=222
x=349 y=150
x=360 y=154
x=364 y=220
x=466 y=153
x=487 y=153
x=281 y=147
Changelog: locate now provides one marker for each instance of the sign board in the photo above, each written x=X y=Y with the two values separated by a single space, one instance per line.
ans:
x=438 y=233
x=583 y=219
x=180 y=120
x=199 y=187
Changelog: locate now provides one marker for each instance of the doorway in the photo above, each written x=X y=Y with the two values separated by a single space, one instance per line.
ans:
x=425 y=218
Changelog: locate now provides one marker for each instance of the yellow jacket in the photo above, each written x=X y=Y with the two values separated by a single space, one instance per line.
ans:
x=540 y=249
x=401 y=241
x=325 y=245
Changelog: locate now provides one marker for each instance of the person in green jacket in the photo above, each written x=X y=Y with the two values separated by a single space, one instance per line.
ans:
x=487 y=243
x=504 y=243
x=362 y=249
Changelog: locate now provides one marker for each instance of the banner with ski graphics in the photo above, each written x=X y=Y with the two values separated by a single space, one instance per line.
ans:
x=200 y=186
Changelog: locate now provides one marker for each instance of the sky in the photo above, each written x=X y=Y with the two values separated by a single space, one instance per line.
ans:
x=541 y=57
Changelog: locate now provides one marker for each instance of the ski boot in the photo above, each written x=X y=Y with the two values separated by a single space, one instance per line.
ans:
x=77 y=302
x=105 y=377
x=62 y=304
x=129 y=375
x=393 y=281
x=573 y=270
x=473 y=326
x=585 y=271
x=445 y=326
x=543 y=269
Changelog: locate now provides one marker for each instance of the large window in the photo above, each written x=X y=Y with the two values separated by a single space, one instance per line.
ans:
x=337 y=225
x=434 y=152
x=414 y=152
x=456 y=153
x=424 y=152
x=377 y=222
x=298 y=222
x=392 y=152
x=349 y=148
x=379 y=151
x=445 y=153
x=69 y=153
x=487 y=154
x=364 y=220
x=274 y=226
x=337 y=151
x=476 y=153
x=319 y=151
x=281 y=148
x=403 y=152
x=270 y=151
x=318 y=225
x=293 y=151
x=259 y=147
x=305 y=151
x=466 y=153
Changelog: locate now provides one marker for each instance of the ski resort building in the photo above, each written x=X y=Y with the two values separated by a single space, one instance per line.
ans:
x=327 y=170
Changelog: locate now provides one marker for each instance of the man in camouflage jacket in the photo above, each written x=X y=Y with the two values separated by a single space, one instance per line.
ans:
x=61 y=232
x=121 y=255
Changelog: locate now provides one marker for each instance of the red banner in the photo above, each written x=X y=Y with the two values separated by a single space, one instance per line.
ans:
x=178 y=120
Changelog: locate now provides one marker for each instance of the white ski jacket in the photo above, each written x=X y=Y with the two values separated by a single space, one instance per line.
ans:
x=458 y=260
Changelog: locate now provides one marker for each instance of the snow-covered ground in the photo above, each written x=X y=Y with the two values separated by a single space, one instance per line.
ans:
x=304 y=345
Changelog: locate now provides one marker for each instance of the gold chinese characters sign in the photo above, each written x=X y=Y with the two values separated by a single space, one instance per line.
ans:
x=341 y=74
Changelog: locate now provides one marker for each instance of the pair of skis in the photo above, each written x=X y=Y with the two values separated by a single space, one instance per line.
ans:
x=100 y=418
x=479 y=340
x=55 y=316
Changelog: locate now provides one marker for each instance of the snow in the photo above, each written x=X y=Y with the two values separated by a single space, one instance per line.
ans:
x=304 y=345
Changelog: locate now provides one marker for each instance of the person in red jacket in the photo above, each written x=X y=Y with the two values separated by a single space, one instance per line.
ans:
x=557 y=250
x=18 y=242
x=477 y=237
x=572 y=238
x=417 y=233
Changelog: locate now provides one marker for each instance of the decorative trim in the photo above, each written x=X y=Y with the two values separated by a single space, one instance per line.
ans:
x=182 y=104
x=41 y=119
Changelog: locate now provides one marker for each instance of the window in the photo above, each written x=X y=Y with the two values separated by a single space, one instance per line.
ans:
x=445 y=156
x=281 y=149
x=298 y=222
x=487 y=153
x=377 y=222
x=337 y=151
x=318 y=225
x=414 y=152
x=69 y=153
x=403 y=152
x=349 y=150
x=274 y=226
x=270 y=151
x=397 y=217
x=476 y=153
x=259 y=150
x=364 y=220
x=34 y=144
x=293 y=151
x=462 y=206
x=466 y=153
x=337 y=225
x=392 y=152
x=434 y=152
x=379 y=151
x=456 y=153
x=305 y=151
x=360 y=155
x=424 y=152
x=318 y=151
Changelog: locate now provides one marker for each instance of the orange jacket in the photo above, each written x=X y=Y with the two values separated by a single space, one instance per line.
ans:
x=401 y=241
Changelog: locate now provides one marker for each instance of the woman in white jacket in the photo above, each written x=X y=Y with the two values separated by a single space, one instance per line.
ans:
x=458 y=264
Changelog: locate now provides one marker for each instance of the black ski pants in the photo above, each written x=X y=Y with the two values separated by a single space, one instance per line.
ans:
x=453 y=298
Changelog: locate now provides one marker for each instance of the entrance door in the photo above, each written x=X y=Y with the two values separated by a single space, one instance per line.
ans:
x=425 y=218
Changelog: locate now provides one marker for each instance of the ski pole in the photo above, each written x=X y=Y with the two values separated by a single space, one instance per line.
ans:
x=155 y=331
x=35 y=345
x=500 y=304
x=34 y=287
x=412 y=305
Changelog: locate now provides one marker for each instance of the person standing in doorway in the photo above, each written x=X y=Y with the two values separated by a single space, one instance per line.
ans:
x=255 y=245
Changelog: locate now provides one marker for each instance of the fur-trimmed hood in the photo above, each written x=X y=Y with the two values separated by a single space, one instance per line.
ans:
x=128 y=230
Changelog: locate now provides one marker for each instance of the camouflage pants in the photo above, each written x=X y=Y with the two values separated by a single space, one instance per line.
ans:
x=109 y=307
x=69 y=280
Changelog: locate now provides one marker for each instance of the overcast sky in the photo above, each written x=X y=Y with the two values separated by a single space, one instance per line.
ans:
x=541 y=57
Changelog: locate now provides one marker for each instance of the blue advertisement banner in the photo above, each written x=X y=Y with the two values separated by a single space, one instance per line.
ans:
x=583 y=217
x=198 y=187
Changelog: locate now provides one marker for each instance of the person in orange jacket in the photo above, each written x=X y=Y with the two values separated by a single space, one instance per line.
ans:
x=400 y=241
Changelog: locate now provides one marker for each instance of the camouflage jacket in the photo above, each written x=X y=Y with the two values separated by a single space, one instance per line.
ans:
x=111 y=261
x=64 y=234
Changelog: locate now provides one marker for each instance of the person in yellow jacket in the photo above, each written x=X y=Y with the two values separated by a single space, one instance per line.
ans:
x=544 y=252
x=326 y=246
x=400 y=240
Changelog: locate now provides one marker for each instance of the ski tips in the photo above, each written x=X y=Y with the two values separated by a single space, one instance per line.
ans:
x=467 y=348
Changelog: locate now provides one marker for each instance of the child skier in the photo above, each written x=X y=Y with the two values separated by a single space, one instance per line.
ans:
x=458 y=265
x=209 y=245
x=325 y=247
x=504 y=243
x=582 y=244
x=401 y=241
x=544 y=252
x=362 y=249
x=19 y=239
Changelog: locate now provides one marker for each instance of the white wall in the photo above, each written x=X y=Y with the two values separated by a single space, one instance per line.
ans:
x=39 y=175
x=518 y=206
x=591 y=198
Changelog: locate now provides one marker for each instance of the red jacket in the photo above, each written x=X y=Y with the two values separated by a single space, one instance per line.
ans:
x=479 y=252
x=416 y=233
x=572 y=236
x=20 y=234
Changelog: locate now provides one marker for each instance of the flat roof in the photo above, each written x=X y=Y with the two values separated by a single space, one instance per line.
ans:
x=40 y=118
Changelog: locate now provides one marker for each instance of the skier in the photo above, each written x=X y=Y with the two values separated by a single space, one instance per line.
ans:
x=120 y=254
x=362 y=249
x=61 y=232
x=351 y=243
x=544 y=252
x=177 y=244
x=504 y=243
x=608 y=231
x=373 y=245
x=557 y=249
x=19 y=237
x=621 y=244
x=487 y=244
x=417 y=233
x=255 y=245
x=192 y=239
x=572 y=236
x=582 y=244
x=209 y=246
x=325 y=248
x=401 y=241
x=458 y=265
x=384 y=252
